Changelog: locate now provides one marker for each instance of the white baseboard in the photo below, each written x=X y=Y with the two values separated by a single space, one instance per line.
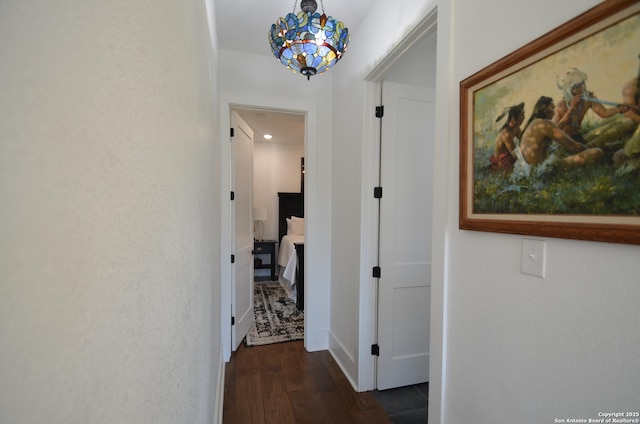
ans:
x=345 y=361
x=219 y=395
x=316 y=340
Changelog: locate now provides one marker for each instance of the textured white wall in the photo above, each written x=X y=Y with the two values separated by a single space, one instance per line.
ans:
x=109 y=293
x=522 y=348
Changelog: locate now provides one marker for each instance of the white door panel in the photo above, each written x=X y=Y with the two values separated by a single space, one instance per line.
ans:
x=405 y=235
x=242 y=185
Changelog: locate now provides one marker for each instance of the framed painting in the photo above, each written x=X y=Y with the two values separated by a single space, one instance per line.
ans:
x=550 y=134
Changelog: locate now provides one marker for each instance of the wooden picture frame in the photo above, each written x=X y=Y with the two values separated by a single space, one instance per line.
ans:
x=569 y=194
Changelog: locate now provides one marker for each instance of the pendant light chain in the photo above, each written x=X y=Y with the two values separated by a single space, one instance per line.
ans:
x=295 y=2
x=322 y=6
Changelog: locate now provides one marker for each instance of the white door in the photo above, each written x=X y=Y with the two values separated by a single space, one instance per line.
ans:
x=242 y=269
x=405 y=235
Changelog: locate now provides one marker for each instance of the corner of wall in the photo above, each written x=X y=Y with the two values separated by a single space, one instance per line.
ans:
x=219 y=393
x=346 y=362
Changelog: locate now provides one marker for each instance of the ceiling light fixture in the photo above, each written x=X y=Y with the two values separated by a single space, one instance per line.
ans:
x=308 y=42
x=267 y=136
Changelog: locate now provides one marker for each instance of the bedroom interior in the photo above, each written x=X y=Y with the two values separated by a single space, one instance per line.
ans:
x=278 y=186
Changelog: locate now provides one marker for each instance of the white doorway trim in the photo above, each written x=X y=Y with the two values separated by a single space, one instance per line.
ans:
x=369 y=240
x=368 y=285
x=312 y=340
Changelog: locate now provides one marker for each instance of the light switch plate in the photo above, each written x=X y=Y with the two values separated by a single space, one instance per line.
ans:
x=533 y=260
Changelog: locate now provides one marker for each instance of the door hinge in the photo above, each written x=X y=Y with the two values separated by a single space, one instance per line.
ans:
x=377 y=192
x=375 y=349
x=233 y=195
x=379 y=111
x=233 y=259
x=232 y=132
x=376 y=271
x=233 y=320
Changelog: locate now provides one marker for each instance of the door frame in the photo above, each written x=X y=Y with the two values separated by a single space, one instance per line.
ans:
x=246 y=318
x=228 y=103
x=369 y=212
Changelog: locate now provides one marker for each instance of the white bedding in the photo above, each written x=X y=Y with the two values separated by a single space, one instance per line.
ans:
x=288 y=260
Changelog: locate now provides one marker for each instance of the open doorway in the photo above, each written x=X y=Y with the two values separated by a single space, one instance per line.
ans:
x=316 y=209
x=278 y=168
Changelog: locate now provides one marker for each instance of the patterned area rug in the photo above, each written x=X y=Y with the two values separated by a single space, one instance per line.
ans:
x=277 y=318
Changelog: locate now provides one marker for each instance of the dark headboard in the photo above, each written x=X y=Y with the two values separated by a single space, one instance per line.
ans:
x=289 y=204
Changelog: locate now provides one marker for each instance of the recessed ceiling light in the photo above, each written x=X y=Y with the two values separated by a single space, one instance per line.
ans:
x=267 y=136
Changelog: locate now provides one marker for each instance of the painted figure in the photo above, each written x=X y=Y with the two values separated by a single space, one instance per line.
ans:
x=504 y=156
x=540 y=132
x=576 y=102
x=631 y=150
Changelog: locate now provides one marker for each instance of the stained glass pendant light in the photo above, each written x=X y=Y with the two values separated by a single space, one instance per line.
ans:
x=308 y=42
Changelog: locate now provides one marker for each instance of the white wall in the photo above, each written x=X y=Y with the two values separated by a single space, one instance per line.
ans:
x=520 y=347
x=276 y=168
x=109 y=294
x=275 y=87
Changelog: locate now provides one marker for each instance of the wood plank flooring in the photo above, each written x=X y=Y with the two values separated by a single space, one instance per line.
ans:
x=282 y=383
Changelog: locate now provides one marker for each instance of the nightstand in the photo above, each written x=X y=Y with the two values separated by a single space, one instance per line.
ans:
x=265 y=248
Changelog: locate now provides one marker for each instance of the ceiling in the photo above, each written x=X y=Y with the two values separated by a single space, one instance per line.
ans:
x=286 y=128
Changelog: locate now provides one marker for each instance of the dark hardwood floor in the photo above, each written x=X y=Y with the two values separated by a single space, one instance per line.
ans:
x=282 y=383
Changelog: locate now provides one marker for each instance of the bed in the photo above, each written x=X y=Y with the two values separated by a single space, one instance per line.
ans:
x=291 y=251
